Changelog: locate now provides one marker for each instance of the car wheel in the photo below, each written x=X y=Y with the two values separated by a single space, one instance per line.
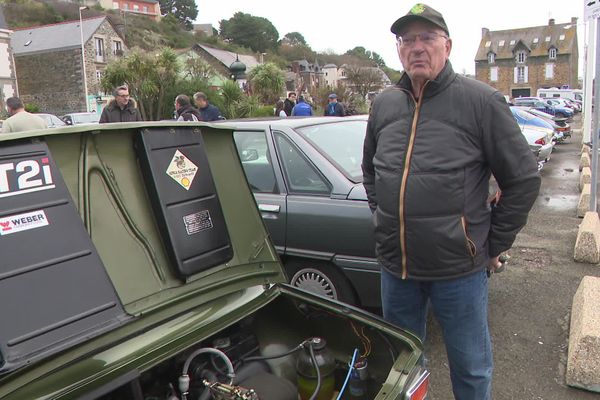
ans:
x=320 y=278
x=559 y=115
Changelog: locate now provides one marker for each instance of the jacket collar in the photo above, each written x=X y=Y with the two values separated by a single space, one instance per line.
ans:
x=130 y=105
x=433 y=87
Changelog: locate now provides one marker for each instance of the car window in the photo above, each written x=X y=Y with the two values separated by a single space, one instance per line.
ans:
x=254 y=153
x=85 y=118
x=523 y=114
x=301 y=176
x=341 y=142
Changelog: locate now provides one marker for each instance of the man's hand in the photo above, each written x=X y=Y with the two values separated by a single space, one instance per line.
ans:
x=496 y=264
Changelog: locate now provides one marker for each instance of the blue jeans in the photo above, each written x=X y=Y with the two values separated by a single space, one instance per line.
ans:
x=460 y=306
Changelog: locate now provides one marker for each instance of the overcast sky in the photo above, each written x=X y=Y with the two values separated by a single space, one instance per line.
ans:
x=342 y=25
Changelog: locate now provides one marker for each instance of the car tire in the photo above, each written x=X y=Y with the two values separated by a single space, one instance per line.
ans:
x=321 y=278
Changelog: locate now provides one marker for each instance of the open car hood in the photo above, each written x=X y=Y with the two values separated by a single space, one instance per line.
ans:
x=102 y=224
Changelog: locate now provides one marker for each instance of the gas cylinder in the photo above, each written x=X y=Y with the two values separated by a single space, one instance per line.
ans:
x=307 y=373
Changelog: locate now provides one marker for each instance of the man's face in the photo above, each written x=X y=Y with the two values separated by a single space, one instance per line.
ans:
x=292 y=97
x=201 y=103
x=423 y=59
x=122 y=97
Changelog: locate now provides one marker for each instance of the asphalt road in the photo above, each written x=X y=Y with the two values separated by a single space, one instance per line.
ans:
x=530 y=302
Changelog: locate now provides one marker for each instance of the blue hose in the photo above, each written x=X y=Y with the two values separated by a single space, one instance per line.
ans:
x=349 y=373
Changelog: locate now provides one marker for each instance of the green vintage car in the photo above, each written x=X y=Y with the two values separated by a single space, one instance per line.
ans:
x=135 y=265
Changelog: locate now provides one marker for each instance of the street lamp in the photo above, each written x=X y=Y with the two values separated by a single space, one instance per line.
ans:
x=85 y=88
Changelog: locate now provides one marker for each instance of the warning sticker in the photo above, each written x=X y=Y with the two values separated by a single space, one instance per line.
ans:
x=22 y=222
x=197 y=222
x=182 y=170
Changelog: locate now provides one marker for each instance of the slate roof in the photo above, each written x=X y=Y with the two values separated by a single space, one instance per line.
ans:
x=527 y=36
x=227 y=57
x=61 y=36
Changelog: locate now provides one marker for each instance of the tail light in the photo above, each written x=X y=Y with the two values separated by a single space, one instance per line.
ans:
x=562 y=128
x=540 y=141
x=418 y=389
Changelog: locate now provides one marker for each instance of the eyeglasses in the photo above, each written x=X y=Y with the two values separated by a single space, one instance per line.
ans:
x=409 y=39
x=123 y=95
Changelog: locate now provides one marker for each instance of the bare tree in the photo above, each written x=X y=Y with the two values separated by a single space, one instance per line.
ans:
x=364 y=79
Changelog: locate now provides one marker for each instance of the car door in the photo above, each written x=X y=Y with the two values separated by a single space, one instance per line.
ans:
x=262 y=172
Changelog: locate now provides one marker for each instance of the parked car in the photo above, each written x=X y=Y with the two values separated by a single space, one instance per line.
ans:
x=538 y=133
x=557 y=102
x=81 y=118
x=538 y=104
x=51 y=120
x=135 y=265
x=562 y=130
x=307 y=180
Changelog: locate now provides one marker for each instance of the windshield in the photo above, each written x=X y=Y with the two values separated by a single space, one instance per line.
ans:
x=85 y=118
x=341 y=142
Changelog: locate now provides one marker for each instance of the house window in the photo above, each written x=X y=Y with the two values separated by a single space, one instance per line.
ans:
x=115 y=5
x=501 y=43
x=494 y=74
x=491 y=58
x=145 y=9
x=552 y=54
x=98 y=75
x=547 y=38
x=136 y=7
x=117 y=47
x=521 y=74
x=99 y=44
x=561 y=37
x=512 y=42
x=488 y=43
x=521 y=57
x=126 y=6
x=536 y=40
x=549 y=71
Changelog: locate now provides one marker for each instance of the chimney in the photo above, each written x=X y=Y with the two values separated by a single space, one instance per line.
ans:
x=484 y=31
x=574 y=20
x=551 y=21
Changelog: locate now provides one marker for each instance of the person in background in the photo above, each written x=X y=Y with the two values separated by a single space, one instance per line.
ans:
x=121 y=109
x=208 y=112
x=302 y=108
x=184 y=109
x=279 y=109
x=20 y=120
x=333 y=108
x=431 y=145
x=289 y=103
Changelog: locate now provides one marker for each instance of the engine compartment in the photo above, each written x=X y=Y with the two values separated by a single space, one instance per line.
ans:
x=267 y=356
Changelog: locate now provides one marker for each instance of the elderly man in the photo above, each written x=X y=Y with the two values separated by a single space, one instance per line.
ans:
x=121 y=109
x=20 y=120
x=208 y=112
x=333 y=108
x=431 y=145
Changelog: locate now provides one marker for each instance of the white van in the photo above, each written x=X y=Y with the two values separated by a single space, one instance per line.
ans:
x=571 y=94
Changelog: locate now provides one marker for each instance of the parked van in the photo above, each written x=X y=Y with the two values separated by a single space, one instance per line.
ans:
x=571 y=94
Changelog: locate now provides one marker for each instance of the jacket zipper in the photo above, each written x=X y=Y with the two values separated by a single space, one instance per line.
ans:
x=407 y=159
x=471 y=248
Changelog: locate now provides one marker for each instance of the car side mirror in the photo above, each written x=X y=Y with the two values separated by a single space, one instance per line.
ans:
x=249 y=155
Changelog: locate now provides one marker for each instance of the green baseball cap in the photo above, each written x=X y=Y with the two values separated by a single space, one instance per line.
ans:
x=423 y=12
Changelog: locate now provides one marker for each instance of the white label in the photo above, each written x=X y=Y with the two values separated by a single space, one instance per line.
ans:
x=22 y=222
x=182 y=170
x=30 y=176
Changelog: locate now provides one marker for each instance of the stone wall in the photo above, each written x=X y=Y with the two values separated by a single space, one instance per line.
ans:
x=52 y=81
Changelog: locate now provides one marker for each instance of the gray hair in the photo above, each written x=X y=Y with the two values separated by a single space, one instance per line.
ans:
x=122 y=87
x=200 y=96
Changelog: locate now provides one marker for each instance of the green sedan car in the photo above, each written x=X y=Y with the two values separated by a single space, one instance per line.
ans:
x=135 y=265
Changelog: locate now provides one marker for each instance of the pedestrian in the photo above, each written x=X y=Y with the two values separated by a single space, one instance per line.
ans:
x=184 y=109
x=208 y=112
x=20 y=120
x=289 y=103
x=121 y=109
x=333 y=108
x=279 y=109
x=302 y=108
x=431 y=145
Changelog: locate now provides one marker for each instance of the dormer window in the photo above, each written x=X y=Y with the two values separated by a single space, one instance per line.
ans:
x=547 y=38
x=561 y=37
x=536 y=40
x=512 y=42
x=552 y=54
x=501 y=43
x=521 y=57
x=488 y=43
x=491 y=57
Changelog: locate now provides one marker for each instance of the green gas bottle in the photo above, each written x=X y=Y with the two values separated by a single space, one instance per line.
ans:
x=307 y=373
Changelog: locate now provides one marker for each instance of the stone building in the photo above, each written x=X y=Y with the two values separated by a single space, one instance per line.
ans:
x=147 y=8
x=518 y=62
x=8 y=79
x=48 y=62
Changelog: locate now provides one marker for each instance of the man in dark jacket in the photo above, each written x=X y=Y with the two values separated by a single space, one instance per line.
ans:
x=302 y=109
x=289 y=103
x=208 y=112
x=184 y=109
x=334 y=109
x=431 y=145
x=121 y=109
